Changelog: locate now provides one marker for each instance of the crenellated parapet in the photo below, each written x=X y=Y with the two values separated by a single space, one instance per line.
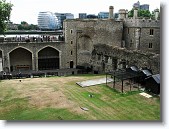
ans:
x=141 y=22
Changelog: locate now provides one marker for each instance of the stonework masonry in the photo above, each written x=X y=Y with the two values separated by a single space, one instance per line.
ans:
x=33 y=49
x=103 y=45
x=149 y=33
x=86 y=33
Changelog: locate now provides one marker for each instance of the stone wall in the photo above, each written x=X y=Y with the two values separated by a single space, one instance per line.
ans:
x=123 y=57
x=82 y=34
x=145 y=38
x=33 y=48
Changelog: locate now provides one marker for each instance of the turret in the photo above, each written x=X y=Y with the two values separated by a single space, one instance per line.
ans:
x=127 y=13
x=156 y=14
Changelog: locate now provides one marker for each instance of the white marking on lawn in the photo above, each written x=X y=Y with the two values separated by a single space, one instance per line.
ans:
x=94 y=82
x=145 y=95
x=85 y=109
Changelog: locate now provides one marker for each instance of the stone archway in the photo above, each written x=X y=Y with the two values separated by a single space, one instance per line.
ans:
x=20 y=60
x=48 y=58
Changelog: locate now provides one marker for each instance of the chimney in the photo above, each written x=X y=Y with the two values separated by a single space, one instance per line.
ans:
x=135 y=15
x=111 y=9
x=126 y=13
x=122 y=14
x=156 y=14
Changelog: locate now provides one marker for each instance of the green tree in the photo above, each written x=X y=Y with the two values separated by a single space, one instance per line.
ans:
x=144 y=13
x=5 y=11
x=141 y=13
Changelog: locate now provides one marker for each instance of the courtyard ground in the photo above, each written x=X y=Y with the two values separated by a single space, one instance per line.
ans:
x=60 y=98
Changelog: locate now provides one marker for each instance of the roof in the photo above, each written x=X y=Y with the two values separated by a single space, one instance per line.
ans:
x=156 y=78
x=124 y=75
x=146 y=72
x=134 y=68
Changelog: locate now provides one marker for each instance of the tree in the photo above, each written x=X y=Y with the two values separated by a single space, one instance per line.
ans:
x=5 y=11
x=144 y=13
x=141 y=13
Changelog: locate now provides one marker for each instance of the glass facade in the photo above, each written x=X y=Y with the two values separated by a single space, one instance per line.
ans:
x=103 y=15
x=47 y=21
x=62 y=16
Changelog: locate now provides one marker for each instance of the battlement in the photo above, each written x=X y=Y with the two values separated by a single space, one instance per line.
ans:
x=89 y=20
x=141 y=22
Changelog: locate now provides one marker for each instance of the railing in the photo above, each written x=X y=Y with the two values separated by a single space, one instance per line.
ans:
x=31 y=39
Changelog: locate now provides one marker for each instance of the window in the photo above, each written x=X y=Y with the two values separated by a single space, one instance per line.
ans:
x=106 y=59
x=150 y=45
x=71 y=53
x=71 y=42
x=71 y=31
x=128 y=30
x=131 y=43
x=151 y=31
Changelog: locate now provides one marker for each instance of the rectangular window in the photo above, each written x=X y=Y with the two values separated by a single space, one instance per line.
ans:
x=151 y=31
x=150 y=45
x=71 y=42
x=131 y=43
x=71 y=31
x=128 y=30
x=71 y=53
x=106 y=59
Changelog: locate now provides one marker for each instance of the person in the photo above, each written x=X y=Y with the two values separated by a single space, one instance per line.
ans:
x=19 y=74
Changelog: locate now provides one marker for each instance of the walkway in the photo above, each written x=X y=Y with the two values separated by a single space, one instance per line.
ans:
x=93 y=82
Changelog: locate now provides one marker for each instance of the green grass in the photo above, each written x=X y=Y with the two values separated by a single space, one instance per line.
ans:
x=115 y=106
x=19 y=109
x=106 y=103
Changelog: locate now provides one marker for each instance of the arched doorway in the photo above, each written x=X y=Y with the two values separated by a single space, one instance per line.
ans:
x=1 y=66
x=71 y=64
x=20 y=60
x=48 y=58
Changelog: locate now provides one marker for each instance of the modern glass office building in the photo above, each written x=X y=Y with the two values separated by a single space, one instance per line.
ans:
x=103 y=15
x=48 y=21
x=62 y=16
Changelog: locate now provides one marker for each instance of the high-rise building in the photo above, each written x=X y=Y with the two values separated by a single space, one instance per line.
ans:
x=47 y=21
x=136 y=5
x=144 y=7
x=82 y=15
x=103 y=15
x=62 y=16
x=92 y=16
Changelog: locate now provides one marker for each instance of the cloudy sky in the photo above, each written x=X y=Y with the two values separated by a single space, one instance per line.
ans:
x=27 y=10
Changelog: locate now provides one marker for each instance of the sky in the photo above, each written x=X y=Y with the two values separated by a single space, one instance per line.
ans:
x=27 y=10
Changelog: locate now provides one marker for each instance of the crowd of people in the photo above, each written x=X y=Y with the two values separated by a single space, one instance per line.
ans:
x=30 y=38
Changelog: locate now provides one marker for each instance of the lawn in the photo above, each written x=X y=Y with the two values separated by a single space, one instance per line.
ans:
x=59 y=98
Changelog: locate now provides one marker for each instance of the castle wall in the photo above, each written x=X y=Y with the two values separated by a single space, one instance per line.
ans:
x=86 y=33
x=125 y=58
x=33 y=48
x=84 y=37
x=145 y=38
